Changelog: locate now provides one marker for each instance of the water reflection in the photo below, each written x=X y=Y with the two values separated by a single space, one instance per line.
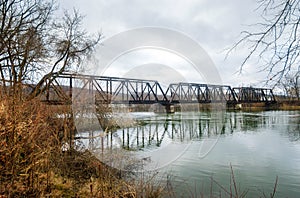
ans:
x=160 y=130
x=259 y=145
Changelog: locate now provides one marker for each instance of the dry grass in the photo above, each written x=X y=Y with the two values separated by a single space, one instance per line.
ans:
x=28 y=141
x=33 y=164
x=215 y=189
x=289 y=105
x=234 y=192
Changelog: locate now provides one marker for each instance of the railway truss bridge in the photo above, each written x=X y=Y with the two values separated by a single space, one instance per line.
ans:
x=66 y=88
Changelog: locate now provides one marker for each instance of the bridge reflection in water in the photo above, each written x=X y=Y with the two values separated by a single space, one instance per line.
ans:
x=160 y=130
x=161 y=140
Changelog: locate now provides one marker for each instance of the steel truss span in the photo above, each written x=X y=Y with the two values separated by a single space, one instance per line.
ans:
x=65 y=88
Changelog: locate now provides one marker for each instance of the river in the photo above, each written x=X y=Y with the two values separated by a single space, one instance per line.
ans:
x=195 y=151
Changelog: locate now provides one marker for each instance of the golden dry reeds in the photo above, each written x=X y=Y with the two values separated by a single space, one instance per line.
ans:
x=33 y=163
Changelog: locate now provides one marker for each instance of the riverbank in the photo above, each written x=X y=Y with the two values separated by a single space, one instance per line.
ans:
x=262 y=106
x=35 y=161
x=289 y=105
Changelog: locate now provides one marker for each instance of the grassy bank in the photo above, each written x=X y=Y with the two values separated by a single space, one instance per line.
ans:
x=33 y=163
x=289 y=105
x=262 y=106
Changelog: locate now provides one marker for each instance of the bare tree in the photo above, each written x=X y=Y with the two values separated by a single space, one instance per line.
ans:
x=35 y=46
x=291 y=85
x=277 y=41
x=70 y=46
x=21 y=42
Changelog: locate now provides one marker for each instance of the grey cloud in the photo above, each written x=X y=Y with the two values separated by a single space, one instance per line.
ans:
x=214 y=24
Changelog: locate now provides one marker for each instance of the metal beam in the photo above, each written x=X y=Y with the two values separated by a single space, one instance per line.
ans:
x=114 y=90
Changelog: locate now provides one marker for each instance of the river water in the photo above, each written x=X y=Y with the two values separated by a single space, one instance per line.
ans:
x=196 y=151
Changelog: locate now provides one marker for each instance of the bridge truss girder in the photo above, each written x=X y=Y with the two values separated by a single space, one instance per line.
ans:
x=250 y=94
x=199 y=93
x=105 y=90
x=113 y=90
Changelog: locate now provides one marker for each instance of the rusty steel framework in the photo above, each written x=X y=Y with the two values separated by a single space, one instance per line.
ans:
x=113 y=90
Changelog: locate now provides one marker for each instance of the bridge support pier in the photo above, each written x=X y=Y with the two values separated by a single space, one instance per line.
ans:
x=170 y=108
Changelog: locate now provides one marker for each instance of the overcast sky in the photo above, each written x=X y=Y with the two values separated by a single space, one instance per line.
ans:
x=214 y=25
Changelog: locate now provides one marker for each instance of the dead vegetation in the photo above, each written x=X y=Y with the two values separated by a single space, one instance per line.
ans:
x=33 y=163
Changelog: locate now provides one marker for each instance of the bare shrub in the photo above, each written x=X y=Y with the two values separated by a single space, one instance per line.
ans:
x=33 y=163
x=28 y=139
